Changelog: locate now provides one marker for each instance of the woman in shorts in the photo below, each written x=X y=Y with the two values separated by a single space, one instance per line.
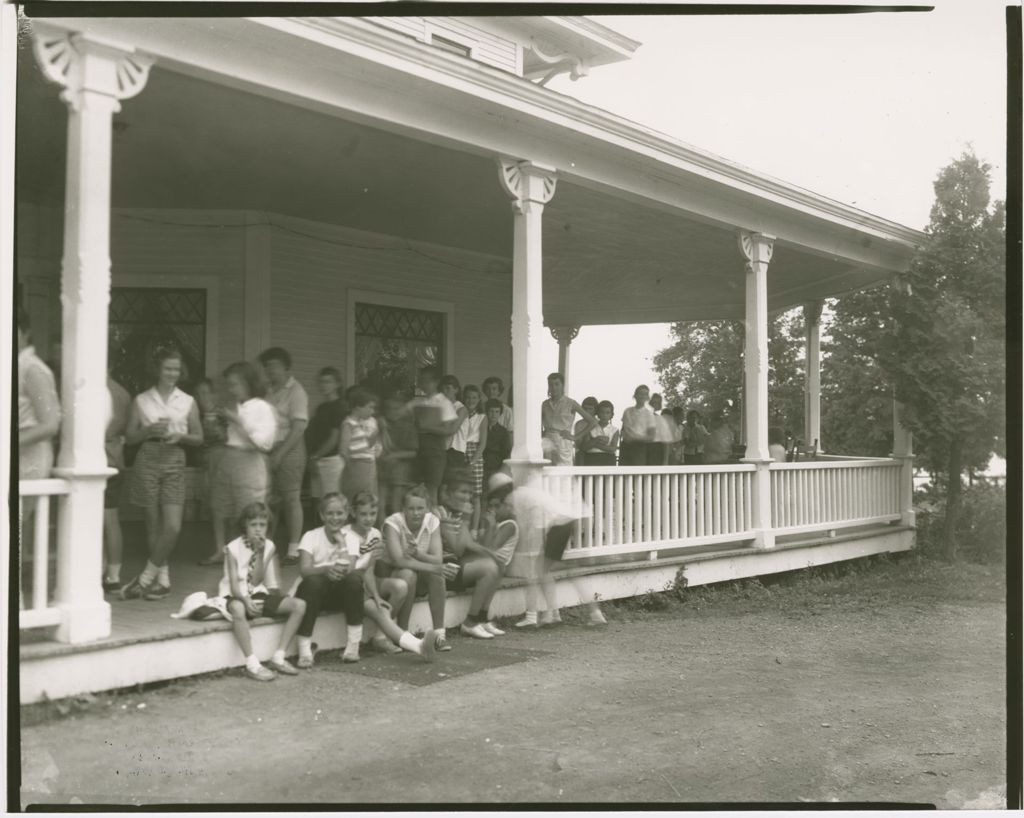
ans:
x=163 y=420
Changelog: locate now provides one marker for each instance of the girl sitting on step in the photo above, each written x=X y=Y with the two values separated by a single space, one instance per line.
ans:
x=250 y=589
x=333 y=560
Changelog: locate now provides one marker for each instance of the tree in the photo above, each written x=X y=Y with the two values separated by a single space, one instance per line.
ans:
x=856 y=393
x=946 y=351
x=703 y=368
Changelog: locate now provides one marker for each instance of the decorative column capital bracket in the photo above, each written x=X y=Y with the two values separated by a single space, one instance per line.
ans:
x=756 y=248
x=526 y=182
x=84 y=62
x=565 y=334
x=812 y=312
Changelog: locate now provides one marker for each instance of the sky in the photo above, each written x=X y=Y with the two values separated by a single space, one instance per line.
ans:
x=865 y=109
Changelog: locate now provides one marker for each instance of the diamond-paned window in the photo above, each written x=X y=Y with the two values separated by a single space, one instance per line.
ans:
x=144 y=318
x=393 y=343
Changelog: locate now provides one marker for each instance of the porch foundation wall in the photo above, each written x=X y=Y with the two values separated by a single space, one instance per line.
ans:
x=68 y=671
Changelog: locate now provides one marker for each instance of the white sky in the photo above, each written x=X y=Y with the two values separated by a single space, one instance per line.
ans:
x=863 y=108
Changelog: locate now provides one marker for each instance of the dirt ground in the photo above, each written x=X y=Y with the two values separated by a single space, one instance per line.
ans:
x=884 y=683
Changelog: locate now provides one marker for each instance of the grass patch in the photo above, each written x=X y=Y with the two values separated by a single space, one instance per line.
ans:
x=870 y=583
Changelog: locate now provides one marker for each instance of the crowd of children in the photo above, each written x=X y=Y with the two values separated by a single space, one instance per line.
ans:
x=408 y=496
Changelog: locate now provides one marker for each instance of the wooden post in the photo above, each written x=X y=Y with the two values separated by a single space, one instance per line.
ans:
x=530 y=187
x=96 y=75
x=757 y=250
x=903 y=450
x=812 y=378
x=565 y=336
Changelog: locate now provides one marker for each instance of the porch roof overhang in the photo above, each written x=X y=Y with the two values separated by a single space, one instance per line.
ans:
x=641 y=223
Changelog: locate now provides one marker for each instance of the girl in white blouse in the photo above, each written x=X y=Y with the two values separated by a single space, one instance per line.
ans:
x=241 y=475
x=163 y=419
x=412 y=541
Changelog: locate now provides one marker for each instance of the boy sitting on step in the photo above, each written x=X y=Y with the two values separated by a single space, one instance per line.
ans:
x=478 y=568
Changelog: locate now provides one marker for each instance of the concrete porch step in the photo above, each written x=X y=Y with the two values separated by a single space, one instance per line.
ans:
x=147 y=646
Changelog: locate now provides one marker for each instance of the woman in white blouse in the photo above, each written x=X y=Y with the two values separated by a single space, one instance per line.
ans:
x=241 y=476
x=164 y=420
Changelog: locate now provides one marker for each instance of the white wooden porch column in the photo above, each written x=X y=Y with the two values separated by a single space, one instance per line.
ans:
x=565 y=336
x=757 y=250
x=95 y=74
x=531 y=187
x=903 y=450
x=812 y=378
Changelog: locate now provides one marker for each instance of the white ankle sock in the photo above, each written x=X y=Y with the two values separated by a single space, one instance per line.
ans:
x=355 y=634
x=410 y=642
x=164 y=575
x=149 y=573
x=293 y=549
x=114 y=572
x=278 y=656
x=252 y=663
x=530 y=616
x=305 y=645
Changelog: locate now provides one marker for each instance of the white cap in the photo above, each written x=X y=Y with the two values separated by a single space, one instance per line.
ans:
x=190 y=604
x=498 y=481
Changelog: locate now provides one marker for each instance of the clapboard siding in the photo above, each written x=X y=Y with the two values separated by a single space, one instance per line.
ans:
x=311 y=277
x=413 y=26
x=39 y=235
x=178 y=249
x=488 y=47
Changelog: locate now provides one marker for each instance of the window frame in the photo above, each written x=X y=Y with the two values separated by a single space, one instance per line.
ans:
x=378 y=299
x=183 y=282
x=454 y=37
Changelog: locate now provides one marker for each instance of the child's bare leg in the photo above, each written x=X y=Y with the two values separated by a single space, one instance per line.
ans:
x=408 y=578
x=547 y=584
x=474 y=525
x=113 y=544
x=382 y=620
x=485 y=575
x=436 y=598
x=486 y=607
x=532 y=593
x=395 y=592
x=295 y=608
x=240 y=627
x=422 y=647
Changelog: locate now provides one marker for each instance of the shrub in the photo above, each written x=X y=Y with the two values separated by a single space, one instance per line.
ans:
x=980 y=531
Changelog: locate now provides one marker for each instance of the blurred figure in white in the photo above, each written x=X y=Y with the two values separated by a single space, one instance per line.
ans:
x=545 y=525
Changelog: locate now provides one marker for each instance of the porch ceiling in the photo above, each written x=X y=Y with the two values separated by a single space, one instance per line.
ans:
x=191 y=144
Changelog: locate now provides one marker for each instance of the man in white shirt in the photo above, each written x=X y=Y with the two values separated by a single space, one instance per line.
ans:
x=288 y=457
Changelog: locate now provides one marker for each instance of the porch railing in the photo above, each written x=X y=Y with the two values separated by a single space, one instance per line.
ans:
x=38 y=611
x=652 y=507
x=834 y=494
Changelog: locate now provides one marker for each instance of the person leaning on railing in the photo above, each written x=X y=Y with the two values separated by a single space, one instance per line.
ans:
x=38 y=420
x=694 y=437
x=38 y=408
x=720 y=441
x=638 y=430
